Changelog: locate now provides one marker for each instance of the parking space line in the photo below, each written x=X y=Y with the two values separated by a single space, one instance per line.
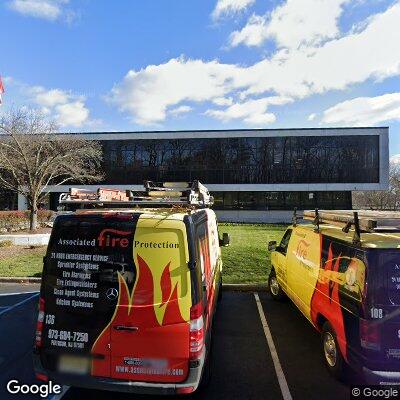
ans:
x=274 y=354
x=16 y=294
x=18 y=304
x=61 y=395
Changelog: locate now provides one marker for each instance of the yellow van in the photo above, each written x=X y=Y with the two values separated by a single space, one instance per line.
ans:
x=129 y=292
x=343 y=273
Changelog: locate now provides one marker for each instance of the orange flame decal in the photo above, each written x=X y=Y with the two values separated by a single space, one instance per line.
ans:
x=139 y=311
x=325 y=300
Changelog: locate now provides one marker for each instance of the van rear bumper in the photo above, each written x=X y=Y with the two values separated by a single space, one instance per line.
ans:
x=381 y=377
x=116 y=385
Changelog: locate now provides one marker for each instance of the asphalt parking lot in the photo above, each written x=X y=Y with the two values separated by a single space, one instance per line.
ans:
x=243 y=367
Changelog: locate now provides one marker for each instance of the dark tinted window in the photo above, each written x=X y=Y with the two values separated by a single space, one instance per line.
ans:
x=312 y=159
x=281 y=200
x=269 y=200
x=8 y=200
x=283 y=246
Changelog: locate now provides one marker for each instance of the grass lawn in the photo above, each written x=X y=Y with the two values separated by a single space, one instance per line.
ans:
x=246 y=260
x=21 y=261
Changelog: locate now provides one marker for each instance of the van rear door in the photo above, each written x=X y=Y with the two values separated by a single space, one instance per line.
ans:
x=150 y=330
x=86 y=257
x=383 y=301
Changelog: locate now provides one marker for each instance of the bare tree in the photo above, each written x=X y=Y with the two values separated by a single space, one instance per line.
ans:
x=381 y=199
x=32 y=157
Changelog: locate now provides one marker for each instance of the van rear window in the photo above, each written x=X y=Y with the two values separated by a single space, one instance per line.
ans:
x=384 y=280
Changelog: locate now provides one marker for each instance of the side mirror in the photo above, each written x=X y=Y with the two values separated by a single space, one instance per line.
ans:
x=272 y=245
x=226 y=239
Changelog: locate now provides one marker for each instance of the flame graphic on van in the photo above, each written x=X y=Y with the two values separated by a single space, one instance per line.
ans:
x=140 y=311
x=325 y=300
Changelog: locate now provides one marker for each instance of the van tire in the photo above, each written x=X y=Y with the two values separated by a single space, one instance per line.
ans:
x=274 y=288
x=333 y=357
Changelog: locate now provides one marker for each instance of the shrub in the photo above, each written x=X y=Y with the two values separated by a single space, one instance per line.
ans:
x=18 y=220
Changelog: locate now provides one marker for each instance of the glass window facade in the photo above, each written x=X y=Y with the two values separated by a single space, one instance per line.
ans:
x=281 y=200
x=268 y=200
x=8 y=200
x=244 y=160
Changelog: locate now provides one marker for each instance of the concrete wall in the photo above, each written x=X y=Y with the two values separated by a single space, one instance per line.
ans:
x=254 y=216
x=27 y=240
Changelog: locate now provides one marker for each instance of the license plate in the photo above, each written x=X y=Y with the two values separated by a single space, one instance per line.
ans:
x=74 y=365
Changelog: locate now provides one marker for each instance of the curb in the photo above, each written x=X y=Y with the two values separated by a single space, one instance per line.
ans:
x=234 y=287
x=20 y=280
x=245 y=287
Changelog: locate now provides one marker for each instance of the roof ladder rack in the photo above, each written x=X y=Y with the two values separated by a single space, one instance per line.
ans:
x=361 y=220
x=155 y=194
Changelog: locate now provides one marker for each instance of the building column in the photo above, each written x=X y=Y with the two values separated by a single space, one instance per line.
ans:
x=22 y=203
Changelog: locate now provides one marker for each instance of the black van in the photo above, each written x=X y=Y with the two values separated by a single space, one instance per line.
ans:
x=128 y=298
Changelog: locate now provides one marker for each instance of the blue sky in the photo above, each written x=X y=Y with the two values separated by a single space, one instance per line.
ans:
x=204 y=64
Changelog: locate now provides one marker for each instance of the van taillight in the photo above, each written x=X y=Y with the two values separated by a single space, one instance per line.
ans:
x=42 y=377
x=196 y=332
x=39 y=324
x=369 y=334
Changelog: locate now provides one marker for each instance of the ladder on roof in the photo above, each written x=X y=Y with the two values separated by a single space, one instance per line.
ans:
x=155 y=194
x=361 y=220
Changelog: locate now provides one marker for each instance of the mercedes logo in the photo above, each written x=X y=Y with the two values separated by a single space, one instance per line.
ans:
x=112 y=294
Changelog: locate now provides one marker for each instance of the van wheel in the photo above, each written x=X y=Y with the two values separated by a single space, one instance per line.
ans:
x=274 y=288
x=220 y=289
x=334 y=360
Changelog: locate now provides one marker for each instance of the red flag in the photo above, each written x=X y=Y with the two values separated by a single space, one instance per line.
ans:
x=1 y=89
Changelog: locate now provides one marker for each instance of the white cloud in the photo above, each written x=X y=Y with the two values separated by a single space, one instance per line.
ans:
x=227 y=7
x=223 y=101
x=49 y=98
x=73 y=114
x=50 y=10
x=180 y=110
x=146 y=94
x=252 y=112
x=365 y=110
x=312 y=117
x=253 y=34
x=371 y=54
x=293 y=24
x=67 y=109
